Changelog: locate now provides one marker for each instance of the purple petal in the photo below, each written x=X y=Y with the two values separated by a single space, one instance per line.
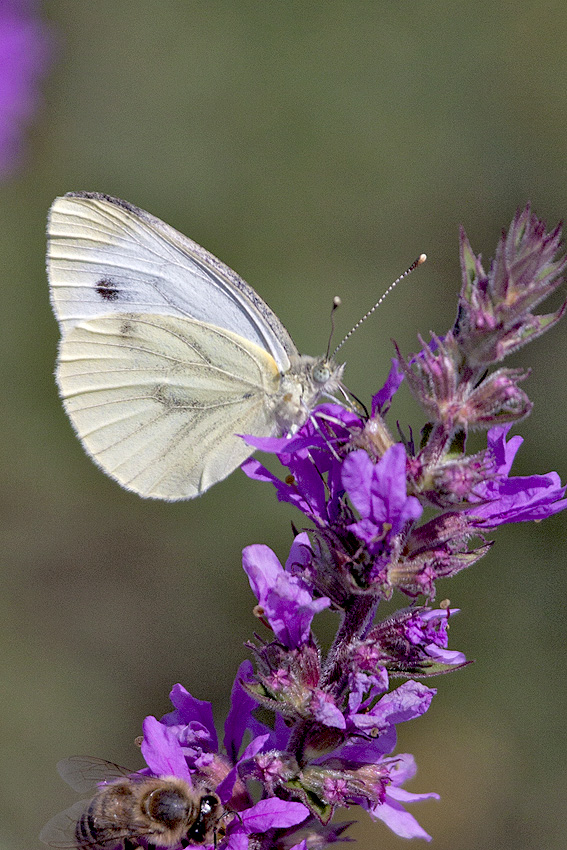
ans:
x=379 y=493
x=273 y=813
x=236 y=838
x=404 y=796
x=225 y=788
x=300 y=553
x=401 y=768
x=445 y=656
x=381 y=401
x=410 y=700
x=290 y=609
x=191 y=710
x=326 y=712
x=162 y=751
x=263 y=569
x=519 y=499
x=287 y=604
x=503 y=453
x=357 y=477
x=280 y=735
x=389 y=489
x=240 y=716
x=273 y=445
x=285 y=492
x=503 y=499
x=400 y=822
x=367 y=750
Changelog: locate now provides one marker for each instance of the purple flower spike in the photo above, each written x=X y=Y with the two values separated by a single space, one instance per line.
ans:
x=379 y=493
x=313 y=729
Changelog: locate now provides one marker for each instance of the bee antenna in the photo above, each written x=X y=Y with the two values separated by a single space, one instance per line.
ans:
x=418 y=262
x=336 y=305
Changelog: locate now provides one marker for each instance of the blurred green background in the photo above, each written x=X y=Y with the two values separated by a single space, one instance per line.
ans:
x=317 y=148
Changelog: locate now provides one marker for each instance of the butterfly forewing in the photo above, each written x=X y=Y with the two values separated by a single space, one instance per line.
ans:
x=158 y=401
x=107 y=256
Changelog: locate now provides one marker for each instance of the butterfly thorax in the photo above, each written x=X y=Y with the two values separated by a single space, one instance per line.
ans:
x=308 y=380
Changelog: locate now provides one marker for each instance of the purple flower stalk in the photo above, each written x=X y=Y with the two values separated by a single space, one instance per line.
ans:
x=309 y=731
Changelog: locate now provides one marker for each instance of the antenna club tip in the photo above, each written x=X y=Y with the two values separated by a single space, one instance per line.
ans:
x=337 y=301
x=421 y=259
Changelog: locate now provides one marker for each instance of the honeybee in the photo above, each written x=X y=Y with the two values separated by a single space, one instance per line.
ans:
x=130 y=811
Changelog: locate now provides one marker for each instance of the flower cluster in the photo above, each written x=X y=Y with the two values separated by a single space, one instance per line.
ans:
x=310 y=731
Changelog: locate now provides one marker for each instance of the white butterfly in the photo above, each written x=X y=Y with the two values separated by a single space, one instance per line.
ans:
x=166 y=354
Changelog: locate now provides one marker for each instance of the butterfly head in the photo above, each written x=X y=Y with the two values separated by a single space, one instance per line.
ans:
x=309 y=380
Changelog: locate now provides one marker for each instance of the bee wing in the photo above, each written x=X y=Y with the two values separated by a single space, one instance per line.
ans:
x=60 y=830
x=86 y=773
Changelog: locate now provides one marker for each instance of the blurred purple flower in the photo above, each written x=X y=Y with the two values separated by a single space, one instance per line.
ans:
x=25 y=50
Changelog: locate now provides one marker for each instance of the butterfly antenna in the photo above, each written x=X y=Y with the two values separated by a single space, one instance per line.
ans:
x=336 y=304
x=420 y=260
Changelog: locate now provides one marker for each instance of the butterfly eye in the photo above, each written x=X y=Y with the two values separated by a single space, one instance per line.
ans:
x=321 y=373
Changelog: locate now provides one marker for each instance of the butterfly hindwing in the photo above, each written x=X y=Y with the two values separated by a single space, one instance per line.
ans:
x=158 y=401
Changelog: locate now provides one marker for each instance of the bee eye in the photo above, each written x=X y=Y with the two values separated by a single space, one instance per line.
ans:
x=167 y=806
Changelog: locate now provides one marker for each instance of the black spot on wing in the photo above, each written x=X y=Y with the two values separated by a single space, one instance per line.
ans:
x=127 y=328
x=107 y=289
